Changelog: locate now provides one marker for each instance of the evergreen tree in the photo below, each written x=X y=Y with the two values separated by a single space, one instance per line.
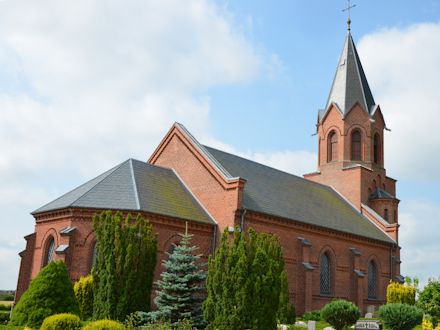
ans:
x=51 y=292
x=244 y=282
x=286 y=311
x=84 y=295
x=124 y=267
x=179 y=294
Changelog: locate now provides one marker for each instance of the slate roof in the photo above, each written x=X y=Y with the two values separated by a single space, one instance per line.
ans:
x=281 y=194
x=350 y=84
x=135 y=186
x=378 y=193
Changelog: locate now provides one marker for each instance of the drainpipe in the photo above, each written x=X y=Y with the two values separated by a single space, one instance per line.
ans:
x=214 y=240
x=242 y=219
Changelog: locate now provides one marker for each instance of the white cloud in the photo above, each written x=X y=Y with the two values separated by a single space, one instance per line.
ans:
x=403 y=71
x=419 y=238
x=86 y=84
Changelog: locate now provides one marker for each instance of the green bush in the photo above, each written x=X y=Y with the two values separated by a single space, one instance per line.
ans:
x=401 y=294
x=312 y=316
x=160 y=325
x=7 y=297
x=340 y=313
x=51 y=292
x=104 y=325
x=400 y=316
x=4 y=307
x=63 y=321
x=135 y=320
x=84 y=295
x=4 y=317
x=429 y=300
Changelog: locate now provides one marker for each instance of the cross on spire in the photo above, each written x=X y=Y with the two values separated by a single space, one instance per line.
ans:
x=348 y=9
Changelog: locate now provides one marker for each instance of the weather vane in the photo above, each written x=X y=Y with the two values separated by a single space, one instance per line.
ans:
x=349 y=7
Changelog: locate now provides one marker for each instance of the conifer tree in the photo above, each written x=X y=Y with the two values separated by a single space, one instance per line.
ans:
x=181 y=285
x=244 y=282
x=124 y=267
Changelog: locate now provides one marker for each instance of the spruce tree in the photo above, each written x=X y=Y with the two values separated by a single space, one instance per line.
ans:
x=124 y=267
x=179 y=294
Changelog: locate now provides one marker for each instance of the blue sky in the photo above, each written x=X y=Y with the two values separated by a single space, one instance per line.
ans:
x=85 y=85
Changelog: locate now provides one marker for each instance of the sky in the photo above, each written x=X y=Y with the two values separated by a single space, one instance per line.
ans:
x=86 y=84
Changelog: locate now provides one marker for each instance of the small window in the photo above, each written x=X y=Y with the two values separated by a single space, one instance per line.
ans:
x=50 y=251
x=356 y=145
x=332 y=153
x=376 y=149
x=372 y=280
x=325 y=275
x=386 y=215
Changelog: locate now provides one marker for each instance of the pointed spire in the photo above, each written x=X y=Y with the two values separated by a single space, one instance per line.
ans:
x=350 y=84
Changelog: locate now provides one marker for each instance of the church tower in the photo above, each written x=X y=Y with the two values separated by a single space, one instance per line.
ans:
x=351 y=144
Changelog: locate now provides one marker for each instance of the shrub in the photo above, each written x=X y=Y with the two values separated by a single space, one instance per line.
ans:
x=429 y=300
x=4 y=307
x=84 y=295
x=401 y=294
x=162 y=325
x=51 y=292
x=4 y=317
x=312 y=316
x=7 y=297
x=136 y=319
x=340 y=313
x=104 y=325
x=65 y=321
x=400 y=316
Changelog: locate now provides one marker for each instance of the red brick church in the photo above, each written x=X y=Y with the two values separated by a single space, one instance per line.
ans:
x=338 y=226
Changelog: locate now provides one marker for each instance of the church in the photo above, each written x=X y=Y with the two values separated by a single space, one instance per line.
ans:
x=338 y=226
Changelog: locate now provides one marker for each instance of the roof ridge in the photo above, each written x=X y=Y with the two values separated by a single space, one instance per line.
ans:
x=272 y=168
x=117 y=167
x=104 y=176
x=136 y=192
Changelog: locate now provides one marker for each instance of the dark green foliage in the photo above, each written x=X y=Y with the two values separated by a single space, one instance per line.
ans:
x=104 y=325
x=286 y=311
x=6 y=297
x=84 y=295
x=244 y=282
x=63 y=321
x=4 y=307
x=179 y=294
x=51 y=292
x=161 y=325
x=429 y=300
x=4 y=317
x=340 y=313
x=124 y=267
x=400 y=316
x=136 y=320
x=312 y=316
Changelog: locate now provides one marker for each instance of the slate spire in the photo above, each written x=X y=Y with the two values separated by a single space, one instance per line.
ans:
x=350 y=84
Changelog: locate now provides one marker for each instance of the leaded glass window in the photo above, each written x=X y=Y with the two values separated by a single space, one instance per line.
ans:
x=372 y=280
x=325 y=274
x=50 y=251
x=356 y=146
x=332 y=147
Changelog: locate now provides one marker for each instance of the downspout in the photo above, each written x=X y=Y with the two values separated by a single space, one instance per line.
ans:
x=242 y=219
x=214 y=240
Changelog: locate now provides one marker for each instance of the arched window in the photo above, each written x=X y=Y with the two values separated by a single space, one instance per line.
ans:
x=332 y=153
x=50 y=250
x=386 y=215
x=376 y=149
x=325 y=275
x=372 y=280
x=356 y=146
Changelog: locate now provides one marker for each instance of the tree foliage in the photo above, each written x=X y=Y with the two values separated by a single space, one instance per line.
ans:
x=401 y=294
x=179 y=294
x=244 y=282
x=429 y=300
x=124 y=267
x=65 y=321
x=84 y=295
x=286 y=311
x=51 y=292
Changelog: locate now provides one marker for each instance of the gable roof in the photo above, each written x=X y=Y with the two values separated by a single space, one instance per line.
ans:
x=281 y=194
x=134 y=186
x=350 y=85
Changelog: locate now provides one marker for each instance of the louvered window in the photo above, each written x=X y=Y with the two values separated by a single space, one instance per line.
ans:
x=376 y=149
x=356 y=146
x=325 y=275
x=332 y=153
x=372 y=280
